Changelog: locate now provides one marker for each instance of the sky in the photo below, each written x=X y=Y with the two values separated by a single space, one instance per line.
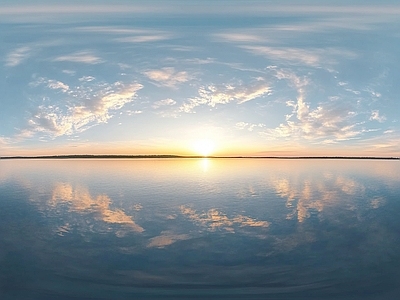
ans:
x=257 y=78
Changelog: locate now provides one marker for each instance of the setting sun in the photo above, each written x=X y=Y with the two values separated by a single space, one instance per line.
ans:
x=204 y=147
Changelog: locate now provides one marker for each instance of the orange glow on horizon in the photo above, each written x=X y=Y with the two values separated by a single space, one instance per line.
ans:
x=201 y=147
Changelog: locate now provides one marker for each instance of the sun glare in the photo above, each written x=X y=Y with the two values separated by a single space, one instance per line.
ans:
x=204 y=147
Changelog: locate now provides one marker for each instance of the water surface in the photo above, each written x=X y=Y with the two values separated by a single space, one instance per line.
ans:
x=199 y=229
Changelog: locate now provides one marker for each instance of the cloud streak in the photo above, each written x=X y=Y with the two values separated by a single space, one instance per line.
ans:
x=311 y=57
x=17 y=56
x=85 y=57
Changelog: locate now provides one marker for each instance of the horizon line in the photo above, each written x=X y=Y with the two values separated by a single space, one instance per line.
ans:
x=133 y=156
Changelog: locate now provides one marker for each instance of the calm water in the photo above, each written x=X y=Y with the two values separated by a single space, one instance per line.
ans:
x=199 y=229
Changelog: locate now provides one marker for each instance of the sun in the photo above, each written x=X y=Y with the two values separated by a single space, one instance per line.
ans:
x=204 y=147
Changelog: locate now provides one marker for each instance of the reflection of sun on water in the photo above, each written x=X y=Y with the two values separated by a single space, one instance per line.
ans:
x=205 y=163
x=204 y=147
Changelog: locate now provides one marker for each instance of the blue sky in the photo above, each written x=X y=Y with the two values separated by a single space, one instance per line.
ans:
x=200 y=77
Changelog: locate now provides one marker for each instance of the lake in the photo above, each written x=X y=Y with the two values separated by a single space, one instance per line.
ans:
x=199 y=229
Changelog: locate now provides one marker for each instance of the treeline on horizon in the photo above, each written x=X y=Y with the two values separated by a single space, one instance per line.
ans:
x=105 y=156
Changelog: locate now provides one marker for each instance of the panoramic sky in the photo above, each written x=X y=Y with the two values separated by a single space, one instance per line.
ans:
x=200 y=77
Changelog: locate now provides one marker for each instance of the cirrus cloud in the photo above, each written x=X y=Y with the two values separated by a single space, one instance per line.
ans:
x=17 y=56
x=85 y=57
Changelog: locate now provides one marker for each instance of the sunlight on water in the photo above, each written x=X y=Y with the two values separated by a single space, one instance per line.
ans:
x=211 y=228
x=205 y=164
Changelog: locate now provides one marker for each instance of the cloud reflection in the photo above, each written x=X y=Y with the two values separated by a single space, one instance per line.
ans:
x=213 y=219
x=81 y=201
x=312 y=195
x=166 y=238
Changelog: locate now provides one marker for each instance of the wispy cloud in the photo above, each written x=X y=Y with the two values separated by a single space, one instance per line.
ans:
x=311 y=56
x=241 y=8
x=248 y=126
x=166 y=108
x=55 y=85
x=167 y=76
x=143 y=38
x=329 y=122
x=86 y=78
x=69 y=72
x=213 y=95
x=49 y=83
x=377 y=117
x=128 y=35
x=387 y=143
x=164 y=102
x=286 y=54
x=81 y=9
x=276 y=42
x=79 y=116
x=85 y=57
x=113 y=30
x=17 y=56
x=242 y=37
x=4 y=141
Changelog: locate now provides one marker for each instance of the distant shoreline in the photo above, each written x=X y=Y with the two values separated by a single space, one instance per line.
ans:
x=88 y=156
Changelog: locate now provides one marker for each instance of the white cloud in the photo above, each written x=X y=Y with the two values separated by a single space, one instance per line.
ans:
x=17 y=56
x=69 y=72
x=328 y=123
x=55 y=85
x=87 y=112
x=241 y=125
x=85 y=57
x=166 y=108
x=87 y=78
x=265 y=41
x=133 y=112
x=241 y=37
x=167 y=76
x=213 y=95
x=377 y=117
x=50 y=83
x=164 y=102
x=248 y=126
x=143 y=38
